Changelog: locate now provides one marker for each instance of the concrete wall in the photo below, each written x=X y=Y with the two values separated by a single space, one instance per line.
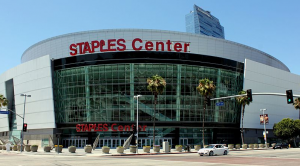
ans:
x=33 y=77
x=261 y=78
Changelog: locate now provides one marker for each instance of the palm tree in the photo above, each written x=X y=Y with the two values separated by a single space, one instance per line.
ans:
x=243 y=100
x=206 y=88
x=156 y=84
x=297 y=103
x=3 y=101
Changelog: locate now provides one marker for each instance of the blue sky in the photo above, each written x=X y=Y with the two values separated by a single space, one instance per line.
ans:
x=272 y=26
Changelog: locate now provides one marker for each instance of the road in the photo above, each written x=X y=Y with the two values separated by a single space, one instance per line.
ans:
x=286 y=157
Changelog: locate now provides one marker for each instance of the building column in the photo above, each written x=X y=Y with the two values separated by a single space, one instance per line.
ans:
x=87 y=94
x=218 y=85
x=132 y=92
x=178 y=92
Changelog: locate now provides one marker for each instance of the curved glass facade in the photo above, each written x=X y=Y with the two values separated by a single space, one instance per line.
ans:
x=103 y=93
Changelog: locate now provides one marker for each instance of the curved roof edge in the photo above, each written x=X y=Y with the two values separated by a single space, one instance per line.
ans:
x=150 y=30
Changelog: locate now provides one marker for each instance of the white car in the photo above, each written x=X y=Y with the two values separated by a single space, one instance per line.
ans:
x=214 y=149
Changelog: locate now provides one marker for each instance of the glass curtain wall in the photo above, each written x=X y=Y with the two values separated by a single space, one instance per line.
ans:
x=104 y=93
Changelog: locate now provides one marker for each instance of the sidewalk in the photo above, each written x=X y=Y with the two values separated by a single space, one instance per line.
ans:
x=96 y=152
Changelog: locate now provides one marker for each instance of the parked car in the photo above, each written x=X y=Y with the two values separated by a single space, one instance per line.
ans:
x=281 y=145
x=214 y=149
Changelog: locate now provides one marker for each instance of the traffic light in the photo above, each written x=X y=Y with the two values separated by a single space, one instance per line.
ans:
x=249 y=94
x=25 y=127
x=207 y=101
x=289 y=96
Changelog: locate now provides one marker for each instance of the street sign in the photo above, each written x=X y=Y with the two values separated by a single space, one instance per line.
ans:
x=4 y=112
x=220 y=103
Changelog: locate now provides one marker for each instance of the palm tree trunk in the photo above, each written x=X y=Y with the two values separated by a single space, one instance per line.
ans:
x=203 y=117
x=155 y=98
x=242 y=131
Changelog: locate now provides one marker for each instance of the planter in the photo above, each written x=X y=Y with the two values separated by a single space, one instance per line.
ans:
x=3 y=147
x=268 y=145
x=251 y=146
x=15 y=148
x=156 y=148
x=72 y=149
x=19 y=147
x=244 y=146
x=120 y=149
x=0 y=147
x=47 y=148
x=146 y=149
x=261 y=145
x=256 y=146
x=105 y=149
x=132 y=149
x=230 y=146
x=237 y=146
x=197 y=147
x=27 y=148
x=58 y=149
x=34 y=148
x=178 y=148
x=88 y=149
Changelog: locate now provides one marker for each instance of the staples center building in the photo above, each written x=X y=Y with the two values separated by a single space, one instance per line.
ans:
x=83 y=84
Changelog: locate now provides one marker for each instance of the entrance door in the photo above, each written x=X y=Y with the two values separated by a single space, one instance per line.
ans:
x=184 y=141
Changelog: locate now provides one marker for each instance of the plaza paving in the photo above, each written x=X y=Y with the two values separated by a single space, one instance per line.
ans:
x=270 y=157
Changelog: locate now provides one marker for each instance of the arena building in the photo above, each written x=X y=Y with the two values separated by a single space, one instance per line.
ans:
x=83 y=84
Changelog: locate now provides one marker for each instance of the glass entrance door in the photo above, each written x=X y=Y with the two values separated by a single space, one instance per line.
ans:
x=184 y=141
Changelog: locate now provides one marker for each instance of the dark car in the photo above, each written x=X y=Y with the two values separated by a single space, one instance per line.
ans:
x=281 y=145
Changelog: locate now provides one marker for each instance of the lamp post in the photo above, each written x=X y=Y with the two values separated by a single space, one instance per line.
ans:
x=137 y=122
x=22 y=133
x=265 y=132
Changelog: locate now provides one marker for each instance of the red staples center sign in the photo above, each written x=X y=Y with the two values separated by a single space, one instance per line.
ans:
x=120 y=45
x=103 y=127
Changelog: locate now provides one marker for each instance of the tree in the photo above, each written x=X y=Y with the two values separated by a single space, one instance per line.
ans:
x=156 y=84
x=287 y=129
x=206 y=88
x=297 y=103
x=243 y=100
x=3 y=101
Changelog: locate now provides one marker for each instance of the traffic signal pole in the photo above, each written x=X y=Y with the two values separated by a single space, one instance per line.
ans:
x=271 y=94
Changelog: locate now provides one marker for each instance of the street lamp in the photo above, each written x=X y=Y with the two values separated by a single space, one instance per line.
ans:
x=137 y=122
x=265 y=132
x=22 y=134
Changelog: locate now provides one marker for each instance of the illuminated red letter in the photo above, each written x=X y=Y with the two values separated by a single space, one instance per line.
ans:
x=169 y=45
x=177 y=47
x=133 y=44
x=120 y=128
x=87 y=47
x=186 y=45
x=162 y=46
x=80 y=47
x=102 y=44
x=112 y=127
x=105 y=128
x=73 y=48
x=121 y=44
x=110 y=44
x=78 y=127
x=149 y=46
x=95 y=44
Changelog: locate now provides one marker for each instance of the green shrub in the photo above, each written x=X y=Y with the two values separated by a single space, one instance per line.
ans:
x=147 y=146
x=34 y=145
x=120 y=146
x=178 y=145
